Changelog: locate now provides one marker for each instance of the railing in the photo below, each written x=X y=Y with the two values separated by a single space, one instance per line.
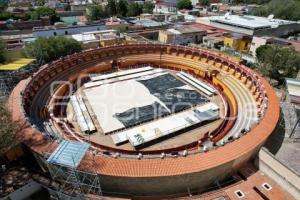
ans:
x=156 y=47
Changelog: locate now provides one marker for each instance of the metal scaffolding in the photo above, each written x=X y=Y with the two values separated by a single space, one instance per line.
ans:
x=72 y=183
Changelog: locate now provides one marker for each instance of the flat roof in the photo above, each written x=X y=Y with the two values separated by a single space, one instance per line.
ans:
x=16 y=65
x=148 y=23
x=68 y=153
x=47 y=28
x=185 y=30
x=248 y=21
x=85 y=37
x=16 y=36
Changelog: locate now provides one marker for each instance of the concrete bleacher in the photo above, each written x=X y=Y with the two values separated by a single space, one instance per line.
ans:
x=199 y=83
x=121 y=78
x=196 y=85
x=120 y=73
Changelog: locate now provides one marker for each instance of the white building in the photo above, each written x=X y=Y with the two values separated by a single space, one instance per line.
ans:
x=65 y=30
x=259 y=41
x=165 y=6
x=251 y=25
x=181 y=35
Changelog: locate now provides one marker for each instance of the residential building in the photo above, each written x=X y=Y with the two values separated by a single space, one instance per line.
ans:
x=65 y=30
x=102 y=38
x=16 y=41
x=116 y=23
x=237 y=42
x=157 y=17
x=165 y=6
x=148 y=24
x=175 y=18
x=214 y=41
x=71 y=20
x=79 y=5
x=24 y=26
x=182 y=35
x=259 y=41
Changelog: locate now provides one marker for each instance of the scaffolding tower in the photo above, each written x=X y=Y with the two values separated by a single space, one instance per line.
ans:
x=69 y=182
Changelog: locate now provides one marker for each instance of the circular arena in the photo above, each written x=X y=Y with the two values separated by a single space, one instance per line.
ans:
x=158 y=118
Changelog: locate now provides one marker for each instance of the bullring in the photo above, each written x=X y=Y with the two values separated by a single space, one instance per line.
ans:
x=251 y=116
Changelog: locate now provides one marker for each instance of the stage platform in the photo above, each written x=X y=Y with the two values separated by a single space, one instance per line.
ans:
x=138 y=99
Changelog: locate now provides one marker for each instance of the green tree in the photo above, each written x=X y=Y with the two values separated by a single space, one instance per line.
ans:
x=261 y=51
x=2 y=51
x=111 y=7
x=5 y=15
x=44 y=11
x=95 y=12
x=148 y=7
x=122 y=8
x=204 y=2
x=277 y=62
x=249 y=1
x=48 y=49
x=8 y=130
x=184 y=4
x=134 y=9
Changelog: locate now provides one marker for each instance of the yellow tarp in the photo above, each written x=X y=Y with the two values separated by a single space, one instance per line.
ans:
x=15 y=65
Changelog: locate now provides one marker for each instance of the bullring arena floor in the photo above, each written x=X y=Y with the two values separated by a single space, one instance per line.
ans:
x=251 y=116
x=133 y=94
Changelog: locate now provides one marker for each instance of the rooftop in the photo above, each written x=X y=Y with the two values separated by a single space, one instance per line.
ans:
x=94 y=36
x=185 y=30
x=247 y=21
x=16 y=36
x=46 y=28
x=16 y=65
x=148 y=23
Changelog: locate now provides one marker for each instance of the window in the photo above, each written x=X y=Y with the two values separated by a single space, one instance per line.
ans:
x=239 y=194
x=267 y=186
x=66 y=32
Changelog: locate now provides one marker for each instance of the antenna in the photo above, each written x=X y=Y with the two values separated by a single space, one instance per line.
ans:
x=270 y=17
x=227 y=15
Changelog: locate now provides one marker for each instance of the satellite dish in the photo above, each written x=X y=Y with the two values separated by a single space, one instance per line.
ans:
x=270 y=17
x=227 y=15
